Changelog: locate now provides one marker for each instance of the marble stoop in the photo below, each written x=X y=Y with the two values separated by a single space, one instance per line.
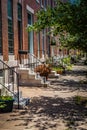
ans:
x=27 y=78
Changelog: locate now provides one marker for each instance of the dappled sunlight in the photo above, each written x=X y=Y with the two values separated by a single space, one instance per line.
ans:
x=50 y=113
x=53 y=107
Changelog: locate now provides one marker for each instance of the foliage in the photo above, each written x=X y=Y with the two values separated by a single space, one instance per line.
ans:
x=49 y=61
x=79 y=100
x=68 y=20
x=57 y=68
x=66 y=60
x=2 y=104
x=6 y=103
x=67 y=63
x=5 y=98
x=69 y=67
x=43 y=70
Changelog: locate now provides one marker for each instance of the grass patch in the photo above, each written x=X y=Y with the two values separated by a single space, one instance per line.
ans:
x=80 y=100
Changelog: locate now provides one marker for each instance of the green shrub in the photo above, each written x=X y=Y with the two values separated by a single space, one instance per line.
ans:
x=6 y=104
x=66 y=60
x=2 y=104
x=69 y=67
x=6 y=98
x=80 y=100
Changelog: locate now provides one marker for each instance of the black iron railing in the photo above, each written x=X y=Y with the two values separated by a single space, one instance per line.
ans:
x=10 y=79
x=28 y=60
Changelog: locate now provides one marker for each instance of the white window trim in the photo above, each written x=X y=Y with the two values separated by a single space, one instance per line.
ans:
x=29 y=9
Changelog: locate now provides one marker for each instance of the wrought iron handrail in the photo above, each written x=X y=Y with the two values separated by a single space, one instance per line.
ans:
x=33 y=64
x=36 y=58
x=10 y=79
x=8 y=89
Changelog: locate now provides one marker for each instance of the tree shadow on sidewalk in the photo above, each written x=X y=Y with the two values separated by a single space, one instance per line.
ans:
x=57 y=108
x=76 y=73
x=71 y=80
x=47 y=113
x=68 y=84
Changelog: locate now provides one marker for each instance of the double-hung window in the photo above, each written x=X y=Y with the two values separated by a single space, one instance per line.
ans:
x=30 y=34
x=20 y=26
x=10 y=27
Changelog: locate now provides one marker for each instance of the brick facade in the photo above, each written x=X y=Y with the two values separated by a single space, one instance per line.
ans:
x=4 y=29
x=15 y=28
x=33 y=6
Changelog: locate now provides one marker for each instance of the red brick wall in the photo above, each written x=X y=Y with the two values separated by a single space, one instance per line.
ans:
x=4 y=29
x=24 y=26
x=15 y=28
x=35 y=6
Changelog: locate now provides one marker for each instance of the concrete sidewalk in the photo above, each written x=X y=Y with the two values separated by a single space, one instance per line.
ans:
x=51 y=108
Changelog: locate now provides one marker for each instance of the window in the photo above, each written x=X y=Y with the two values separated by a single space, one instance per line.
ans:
x=41 y=3
x=0 y=30
x=30 y=34
x=20 y=26
x=19 y=12
x=10 y=8
x=10 y=27
x=29 y=19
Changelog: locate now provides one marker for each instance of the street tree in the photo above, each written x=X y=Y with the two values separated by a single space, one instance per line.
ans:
x=68 y=20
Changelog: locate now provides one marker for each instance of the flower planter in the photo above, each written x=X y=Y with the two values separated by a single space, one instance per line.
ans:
x=43 y=70
x=8 y=105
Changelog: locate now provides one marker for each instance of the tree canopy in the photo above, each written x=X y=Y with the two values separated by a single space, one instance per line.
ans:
x=68 y=20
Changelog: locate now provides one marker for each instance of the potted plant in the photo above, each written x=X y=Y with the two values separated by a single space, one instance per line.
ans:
x=43 y=70
x=6 y=103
